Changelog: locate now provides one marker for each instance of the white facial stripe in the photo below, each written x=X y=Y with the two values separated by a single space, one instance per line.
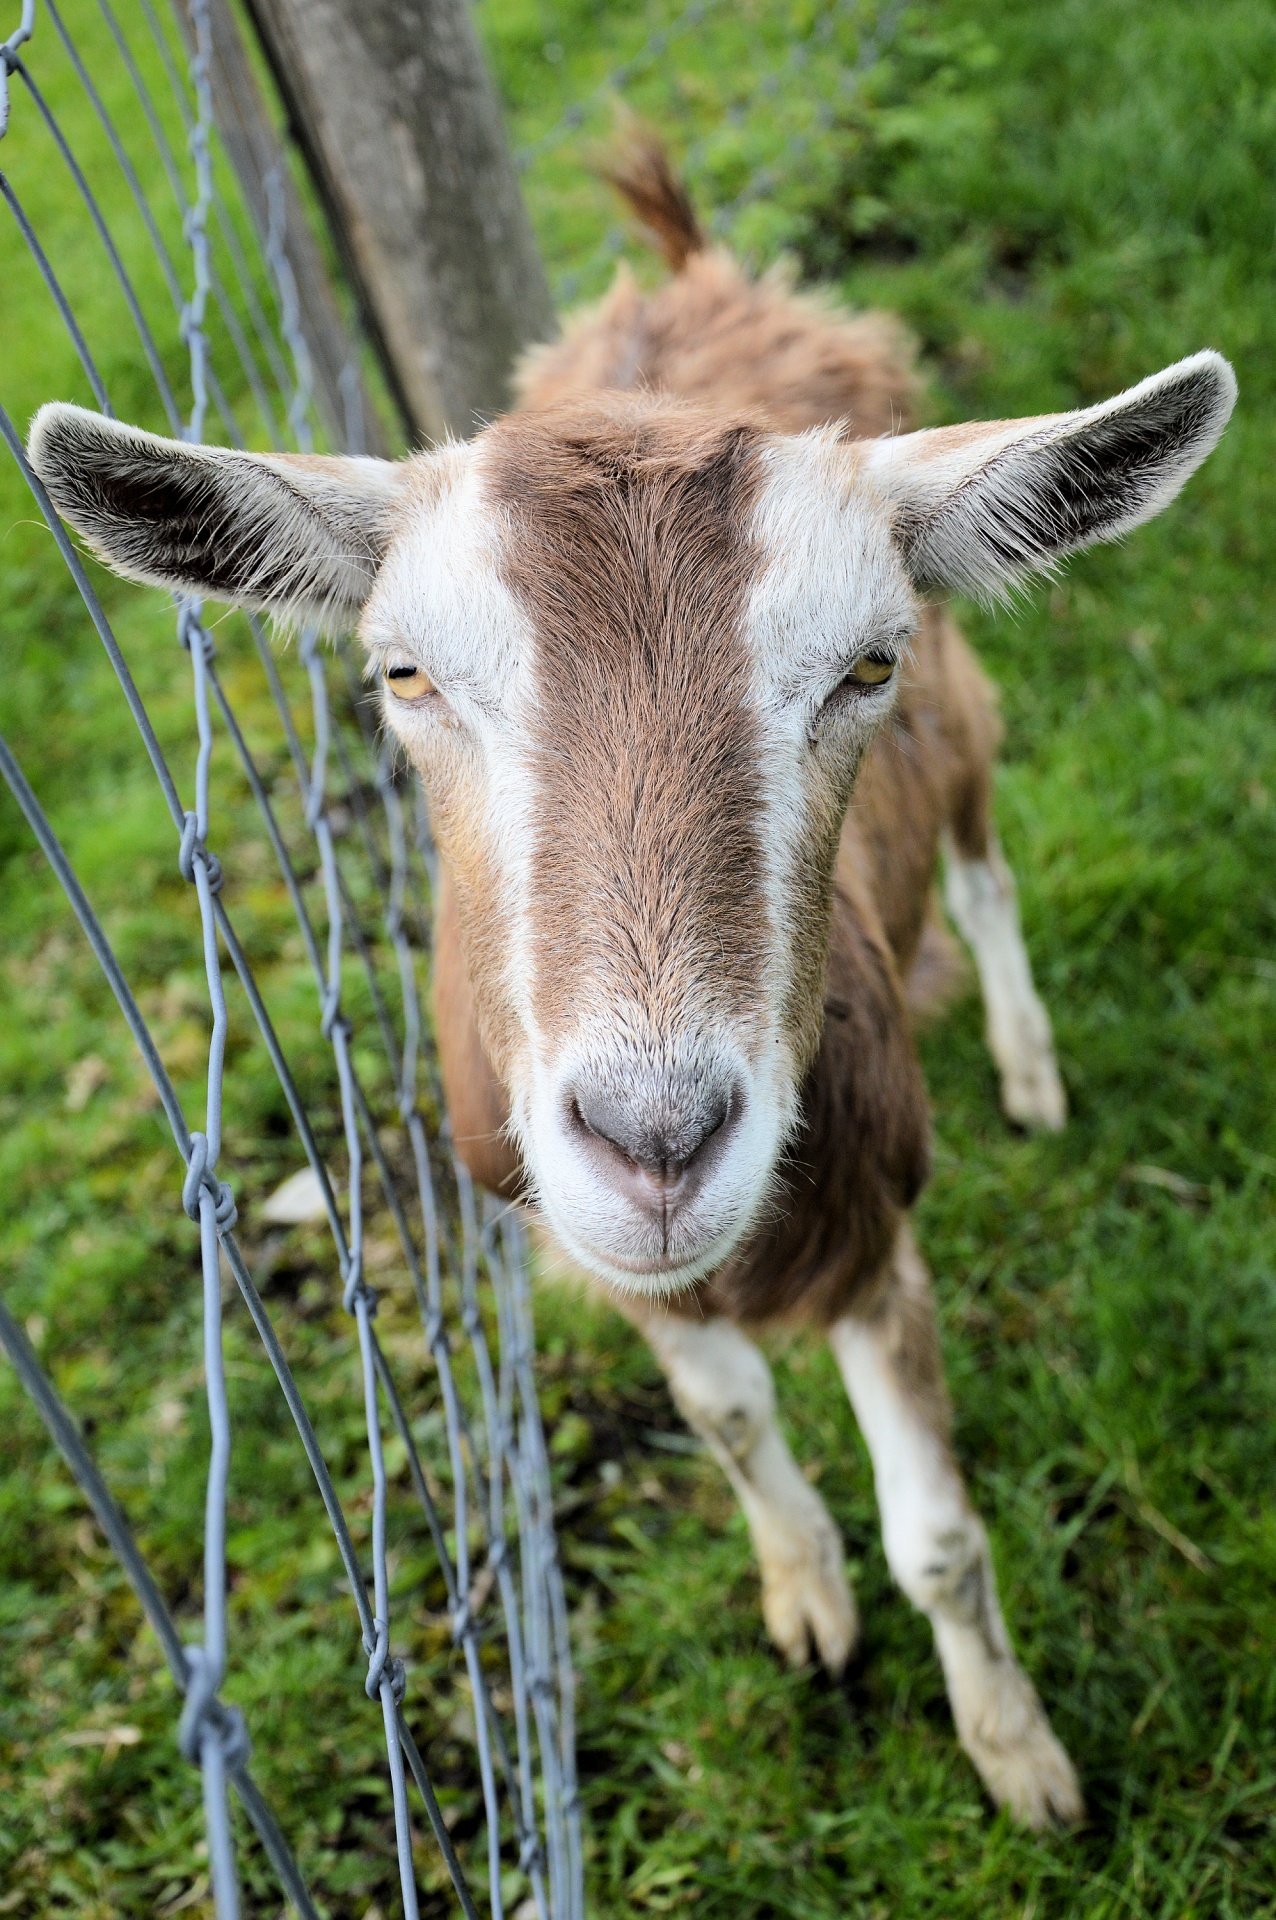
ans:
x=439 y=600
x=440 y=603
x=829 y=587
x=830 y=583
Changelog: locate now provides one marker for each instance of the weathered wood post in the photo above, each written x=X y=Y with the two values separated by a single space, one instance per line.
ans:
x=394 y=110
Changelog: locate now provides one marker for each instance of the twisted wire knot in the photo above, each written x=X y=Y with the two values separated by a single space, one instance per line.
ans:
x=192 y=223
x=332 y=1021
x=192 y=632
x=530 y=1854
x=9 y=61
x=357 y=1290
x=193 y=849
x=203 y=1712
x=462 y=1619
x=190 y=321
x=199 y=1175
x=382 y=1664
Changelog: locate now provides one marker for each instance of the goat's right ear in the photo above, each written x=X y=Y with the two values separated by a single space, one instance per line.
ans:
x=982 y=507
x=301 y=535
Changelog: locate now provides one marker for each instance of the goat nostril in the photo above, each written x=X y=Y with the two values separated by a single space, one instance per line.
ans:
x=710 y=1125
x=662 y=1148
x=598 y=1119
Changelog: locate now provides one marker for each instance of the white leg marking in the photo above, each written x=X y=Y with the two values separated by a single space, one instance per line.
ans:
x=938 y=1553
x=724 y=1390
x=981 y=897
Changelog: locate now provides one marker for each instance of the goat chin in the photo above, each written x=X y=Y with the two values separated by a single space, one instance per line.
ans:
x=657 y=1281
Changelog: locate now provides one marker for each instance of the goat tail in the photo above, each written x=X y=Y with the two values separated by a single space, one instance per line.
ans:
x=640 y=170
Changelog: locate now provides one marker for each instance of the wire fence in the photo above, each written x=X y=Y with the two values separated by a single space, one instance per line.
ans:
x=211 y=275
x=236 y=338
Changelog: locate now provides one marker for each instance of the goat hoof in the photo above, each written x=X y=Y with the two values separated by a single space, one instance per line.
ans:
x=808 y=1601
x=1032 y=1096
x=1023 y=1765
x=1037 y=1784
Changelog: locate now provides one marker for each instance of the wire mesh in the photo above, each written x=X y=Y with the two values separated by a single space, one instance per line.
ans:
x=210 y=313
x=237 y=335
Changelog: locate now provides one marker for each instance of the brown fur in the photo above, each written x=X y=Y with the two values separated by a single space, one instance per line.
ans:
x=901 y=1309
x=477 y=1106
x=860 y=1157
x=788 y=360
x=939 y=975
x=622 y=546
x=761 y=357
x=639 y=170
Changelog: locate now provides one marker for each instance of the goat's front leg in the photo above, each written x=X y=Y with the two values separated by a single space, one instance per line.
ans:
x=979 y=891
x=724 y=1390
x=937 y=1548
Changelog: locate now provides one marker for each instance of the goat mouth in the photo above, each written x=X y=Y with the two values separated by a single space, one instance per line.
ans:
x=660 y=1275
x=651 y=1269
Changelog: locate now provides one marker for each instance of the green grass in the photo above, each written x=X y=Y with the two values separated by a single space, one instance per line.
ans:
x=1058 y=200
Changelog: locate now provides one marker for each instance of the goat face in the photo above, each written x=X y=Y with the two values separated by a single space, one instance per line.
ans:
x=643 y=652
x=637 y=653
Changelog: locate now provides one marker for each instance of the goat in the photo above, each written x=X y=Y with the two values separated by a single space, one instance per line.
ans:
x=644 y=638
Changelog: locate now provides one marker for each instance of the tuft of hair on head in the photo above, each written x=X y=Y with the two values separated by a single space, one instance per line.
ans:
x=639 y=168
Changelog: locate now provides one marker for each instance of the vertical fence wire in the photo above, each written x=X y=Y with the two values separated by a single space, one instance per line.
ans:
x=496 y=1548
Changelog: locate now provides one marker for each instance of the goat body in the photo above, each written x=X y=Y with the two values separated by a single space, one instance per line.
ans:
x=832 y=1247
x=692 y=746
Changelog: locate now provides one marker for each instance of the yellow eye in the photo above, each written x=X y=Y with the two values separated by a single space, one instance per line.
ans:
x=408 y=683
x=872 y=670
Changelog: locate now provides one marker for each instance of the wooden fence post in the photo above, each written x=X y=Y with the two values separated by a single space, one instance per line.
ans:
x=392 y=105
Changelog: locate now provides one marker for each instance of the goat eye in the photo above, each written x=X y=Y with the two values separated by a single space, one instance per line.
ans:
x=871 y=670
x=408 y=683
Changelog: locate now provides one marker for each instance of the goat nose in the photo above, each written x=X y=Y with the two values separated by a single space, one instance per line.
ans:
x=658 y=1150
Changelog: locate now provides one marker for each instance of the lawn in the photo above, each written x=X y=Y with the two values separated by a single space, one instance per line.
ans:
x=1058 y=200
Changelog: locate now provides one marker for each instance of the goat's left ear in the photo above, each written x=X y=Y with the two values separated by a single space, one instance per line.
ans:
x=978 y=508
x=298 y=535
